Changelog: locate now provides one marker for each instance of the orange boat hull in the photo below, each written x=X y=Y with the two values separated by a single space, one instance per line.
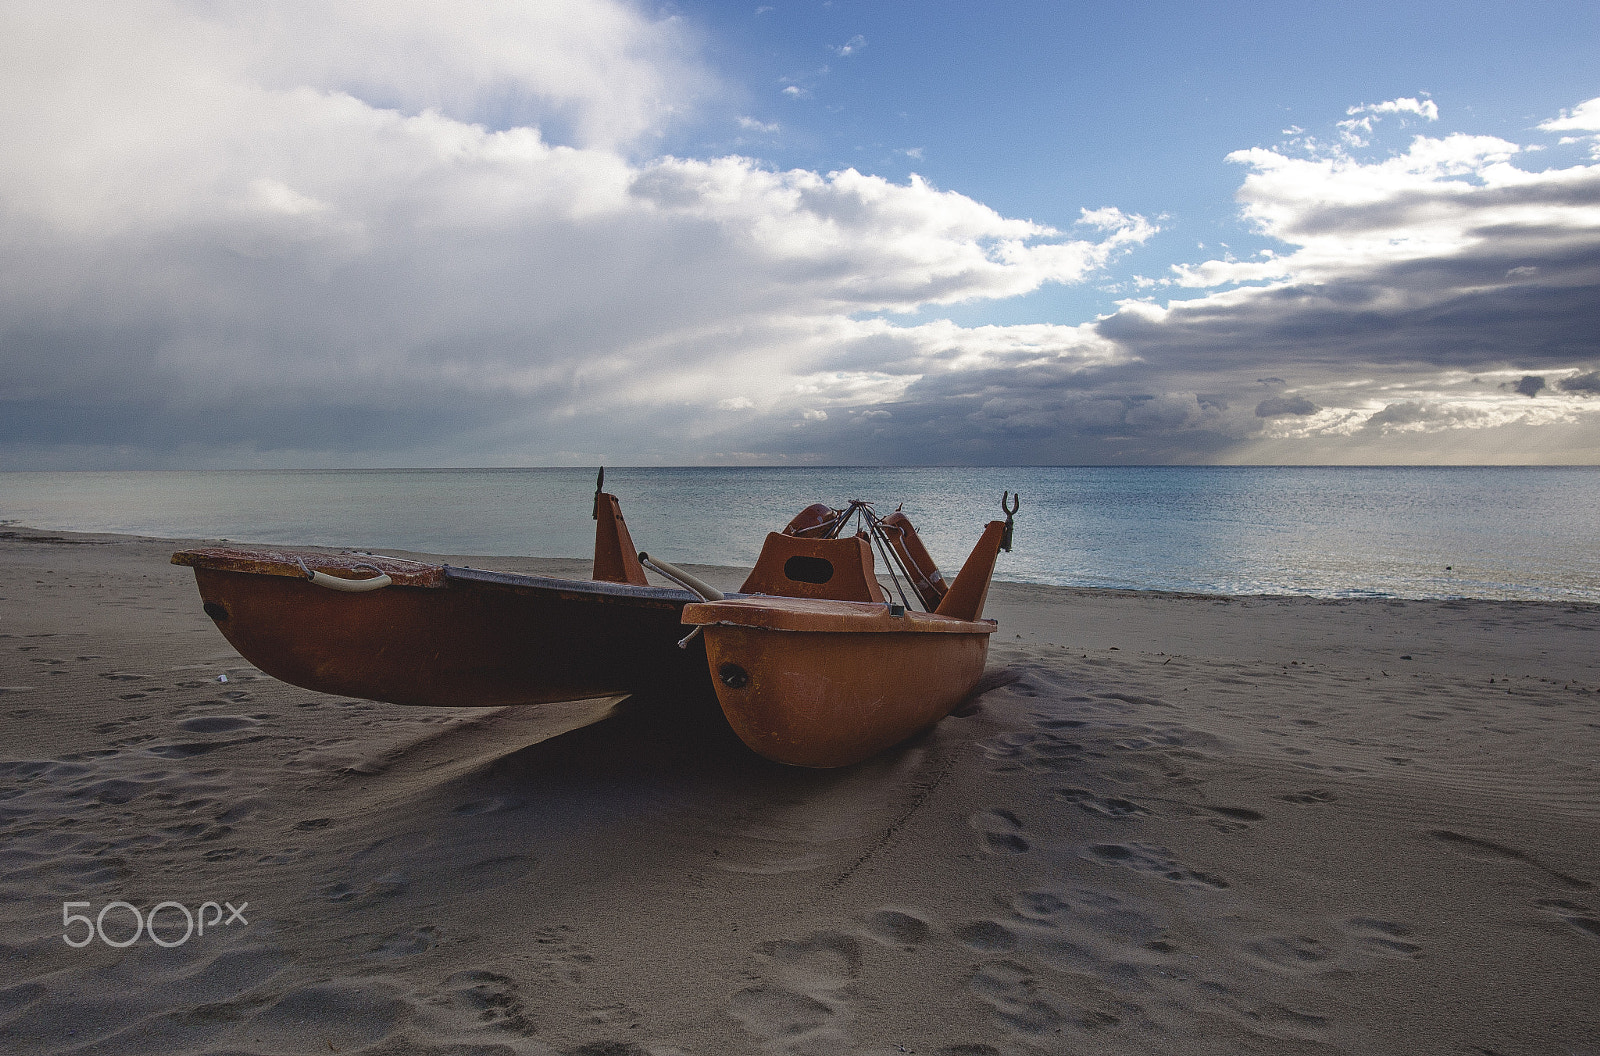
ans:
x=448 y=637
x=827 y=684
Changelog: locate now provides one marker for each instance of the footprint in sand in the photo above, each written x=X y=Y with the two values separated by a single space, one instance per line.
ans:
x=1002 y=830
x=1039 y=905
x=1288 y=952
x=483 y=806
x=1382 y=938
x=1116 y=950
x=341 y=1014
x=190 y=749
x=825 y=960
x=801 y=994
x=986 y=936
x=1155 y=861
x=218 y=723
x=151 y=1000
x=562 y=959
x=484 y=999
x=1226 y=819
x=1046 y=748
x=1310 y=796
x=904 y=928
x=1109 y=806
x=407 y=943
x=780 y=1015
x=1578 y=916
x=1017 y=1000
x=1263 y=1020
x=384 y=887
x=1064 y=724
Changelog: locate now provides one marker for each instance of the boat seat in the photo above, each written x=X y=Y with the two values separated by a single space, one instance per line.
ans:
x=833 y=569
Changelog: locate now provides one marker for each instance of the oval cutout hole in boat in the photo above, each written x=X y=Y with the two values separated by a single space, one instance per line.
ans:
x=803 y=569
x=215 y=610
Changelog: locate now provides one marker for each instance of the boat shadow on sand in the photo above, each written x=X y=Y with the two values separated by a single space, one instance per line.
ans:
x=646 y=787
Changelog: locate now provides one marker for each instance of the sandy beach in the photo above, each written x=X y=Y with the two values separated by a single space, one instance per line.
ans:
x=1169 y=824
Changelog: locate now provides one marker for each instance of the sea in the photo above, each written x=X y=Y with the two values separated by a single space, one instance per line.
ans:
x=1330 y=532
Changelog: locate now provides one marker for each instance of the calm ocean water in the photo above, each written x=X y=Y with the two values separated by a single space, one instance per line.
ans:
x=1330 y=532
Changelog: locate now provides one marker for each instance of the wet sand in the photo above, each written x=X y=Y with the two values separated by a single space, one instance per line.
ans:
x=1169 y=825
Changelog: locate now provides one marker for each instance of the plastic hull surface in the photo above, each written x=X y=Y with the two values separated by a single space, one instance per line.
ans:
x=476 y=639
x=842 y=690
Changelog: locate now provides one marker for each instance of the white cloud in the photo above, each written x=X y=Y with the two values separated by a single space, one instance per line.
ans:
x=1423 y=410
x=597 y=67
x=1441 y=199
x=1228 y=272
x=1359 y=125
x=1425 y=108
x=1585 y=117
x=857 y=242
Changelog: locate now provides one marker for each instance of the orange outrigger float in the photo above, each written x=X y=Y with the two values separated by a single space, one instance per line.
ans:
x=816 y=666
x=811 y=662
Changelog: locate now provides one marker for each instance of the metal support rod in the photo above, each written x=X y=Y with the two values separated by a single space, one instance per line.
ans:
x=888 y=562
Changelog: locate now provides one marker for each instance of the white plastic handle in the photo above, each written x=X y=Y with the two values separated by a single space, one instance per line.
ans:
x=353 y=586
x=680 y=577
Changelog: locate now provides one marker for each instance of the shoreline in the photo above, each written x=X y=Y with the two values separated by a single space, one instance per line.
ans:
x=1171 y=823
x=578 y=567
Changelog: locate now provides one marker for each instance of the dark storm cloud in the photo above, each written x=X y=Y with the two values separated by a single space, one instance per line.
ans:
x=1283 y=406
x=1458 y=312
x=1419 y=207
x=1584 y=383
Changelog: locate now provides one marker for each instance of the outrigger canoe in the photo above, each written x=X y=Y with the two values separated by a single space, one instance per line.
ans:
x=811 y=661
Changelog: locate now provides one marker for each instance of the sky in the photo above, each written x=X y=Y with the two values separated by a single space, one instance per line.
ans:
x=347 y=233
